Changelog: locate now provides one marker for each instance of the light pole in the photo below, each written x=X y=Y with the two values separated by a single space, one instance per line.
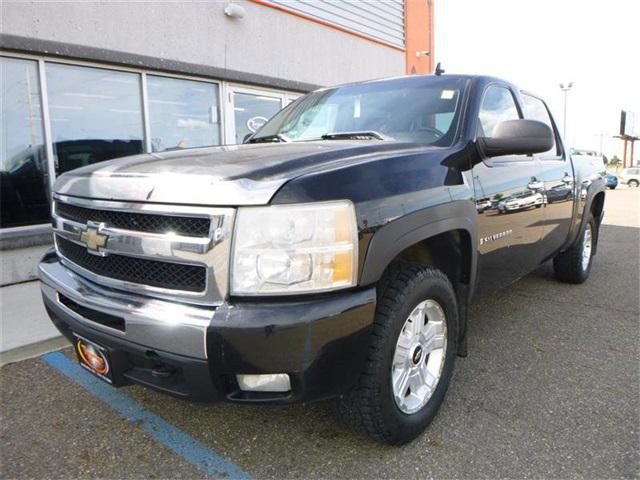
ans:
x=565 y=88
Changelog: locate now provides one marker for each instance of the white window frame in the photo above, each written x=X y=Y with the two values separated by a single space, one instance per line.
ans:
x=233 y=88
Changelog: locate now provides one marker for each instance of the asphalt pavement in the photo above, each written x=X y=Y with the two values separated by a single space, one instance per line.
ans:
x=550 y=389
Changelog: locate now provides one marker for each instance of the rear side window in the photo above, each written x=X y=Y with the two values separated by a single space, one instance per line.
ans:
x=498 y=106
x=535 y=109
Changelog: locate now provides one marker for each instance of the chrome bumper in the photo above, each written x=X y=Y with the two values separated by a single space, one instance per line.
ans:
x=158 y=324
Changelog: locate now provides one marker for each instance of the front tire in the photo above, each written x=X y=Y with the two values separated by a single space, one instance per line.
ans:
x=573 y=265
x=633 y=183
x=411 y=354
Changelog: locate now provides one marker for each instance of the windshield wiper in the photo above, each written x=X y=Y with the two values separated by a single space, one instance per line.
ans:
x=276 y=137
x=360 y=135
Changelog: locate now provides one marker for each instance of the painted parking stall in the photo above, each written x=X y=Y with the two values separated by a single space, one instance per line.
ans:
x=193 y=451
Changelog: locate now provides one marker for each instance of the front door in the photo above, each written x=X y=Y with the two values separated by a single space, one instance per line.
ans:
x=250 y=109
x=509 y=200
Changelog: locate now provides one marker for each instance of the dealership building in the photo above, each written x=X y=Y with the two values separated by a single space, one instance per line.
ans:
x=84 y=82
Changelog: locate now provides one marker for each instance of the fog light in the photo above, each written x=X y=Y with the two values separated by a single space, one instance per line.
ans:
x=276 y=382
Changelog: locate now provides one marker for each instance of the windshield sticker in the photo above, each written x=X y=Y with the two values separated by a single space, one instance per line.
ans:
x=447 y=94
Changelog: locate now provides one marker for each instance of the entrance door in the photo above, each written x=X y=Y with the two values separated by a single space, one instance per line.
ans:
x=251 y=109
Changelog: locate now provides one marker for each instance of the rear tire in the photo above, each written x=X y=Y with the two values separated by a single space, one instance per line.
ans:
x=573 y=265
x=633 y=183
x=408 y=369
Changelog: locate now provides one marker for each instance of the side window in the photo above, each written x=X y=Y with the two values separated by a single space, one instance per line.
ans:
x=497 y=106
x=535 y=109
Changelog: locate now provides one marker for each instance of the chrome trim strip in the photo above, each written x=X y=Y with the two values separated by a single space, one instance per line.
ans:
x=153 y=246
x=212 y=252
x=167 y=326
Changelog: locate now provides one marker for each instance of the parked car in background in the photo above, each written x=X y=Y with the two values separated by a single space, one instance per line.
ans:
x=612 y=181
x=482 y=205
x=520 y=201
x=558 y=193
x=630 y=176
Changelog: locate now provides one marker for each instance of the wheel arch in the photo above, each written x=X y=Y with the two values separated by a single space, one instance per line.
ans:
x=444 y=237
x=431 y=228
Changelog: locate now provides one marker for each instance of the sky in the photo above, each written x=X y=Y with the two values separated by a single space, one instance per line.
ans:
x=538 y=44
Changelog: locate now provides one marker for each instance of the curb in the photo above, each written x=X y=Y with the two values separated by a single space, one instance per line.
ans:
x=33 y=350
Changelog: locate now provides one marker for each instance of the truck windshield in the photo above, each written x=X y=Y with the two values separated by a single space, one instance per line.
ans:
x=420 y=109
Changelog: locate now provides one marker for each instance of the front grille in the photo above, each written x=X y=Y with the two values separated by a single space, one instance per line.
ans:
x=136 y=270
x=141 y=222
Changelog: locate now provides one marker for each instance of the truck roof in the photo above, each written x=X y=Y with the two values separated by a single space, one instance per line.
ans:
x=478 y=78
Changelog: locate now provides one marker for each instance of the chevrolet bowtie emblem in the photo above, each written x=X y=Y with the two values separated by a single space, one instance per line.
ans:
x=93 y=239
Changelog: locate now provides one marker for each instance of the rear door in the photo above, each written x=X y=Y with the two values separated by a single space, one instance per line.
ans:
x=509 y=201
x=557 y=175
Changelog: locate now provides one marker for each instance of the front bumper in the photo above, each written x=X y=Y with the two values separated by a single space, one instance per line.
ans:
x=320 y=342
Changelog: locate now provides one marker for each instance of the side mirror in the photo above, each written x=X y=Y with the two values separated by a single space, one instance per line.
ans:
x=517 y=137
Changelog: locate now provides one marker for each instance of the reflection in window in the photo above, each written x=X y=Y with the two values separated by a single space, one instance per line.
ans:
x=498 y=106
x=95 y=114
x=535 y=109
x=183 y=113
x=251 y=112
x=24 y=190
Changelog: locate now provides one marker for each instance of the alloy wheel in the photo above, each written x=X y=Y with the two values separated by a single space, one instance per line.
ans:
x=419 y=356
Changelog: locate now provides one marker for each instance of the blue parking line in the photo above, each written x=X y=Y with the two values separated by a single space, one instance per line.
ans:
x=193 y=451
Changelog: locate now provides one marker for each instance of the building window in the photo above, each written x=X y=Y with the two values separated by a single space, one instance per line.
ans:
x=182 y=113
x=24 y=188
x=95 y=114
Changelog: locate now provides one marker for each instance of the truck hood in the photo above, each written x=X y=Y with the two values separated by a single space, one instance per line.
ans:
x=217 y=176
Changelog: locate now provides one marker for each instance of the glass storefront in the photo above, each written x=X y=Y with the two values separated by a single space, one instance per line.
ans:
x=24 y=184
x=182 y=113
x=96 y=113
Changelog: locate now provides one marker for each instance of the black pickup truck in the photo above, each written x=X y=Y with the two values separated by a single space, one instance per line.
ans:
x=334 y=254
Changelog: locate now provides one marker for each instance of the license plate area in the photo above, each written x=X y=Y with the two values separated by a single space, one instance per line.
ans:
x=94 y=358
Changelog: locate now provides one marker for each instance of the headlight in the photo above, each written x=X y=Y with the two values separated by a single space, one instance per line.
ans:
x=284 y=249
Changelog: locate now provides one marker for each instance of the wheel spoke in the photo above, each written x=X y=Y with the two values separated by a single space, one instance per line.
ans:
x=433 y=337
x=401 y=355
x=427 y=377
x=434 y=312
x=417 y=384
x=417 y=319
x=401 y=382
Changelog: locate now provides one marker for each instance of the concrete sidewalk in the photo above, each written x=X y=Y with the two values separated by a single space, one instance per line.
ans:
x=25 y=328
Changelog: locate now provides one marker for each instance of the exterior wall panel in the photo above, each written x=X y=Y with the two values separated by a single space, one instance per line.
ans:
x=380 y=20
x=266 y=42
